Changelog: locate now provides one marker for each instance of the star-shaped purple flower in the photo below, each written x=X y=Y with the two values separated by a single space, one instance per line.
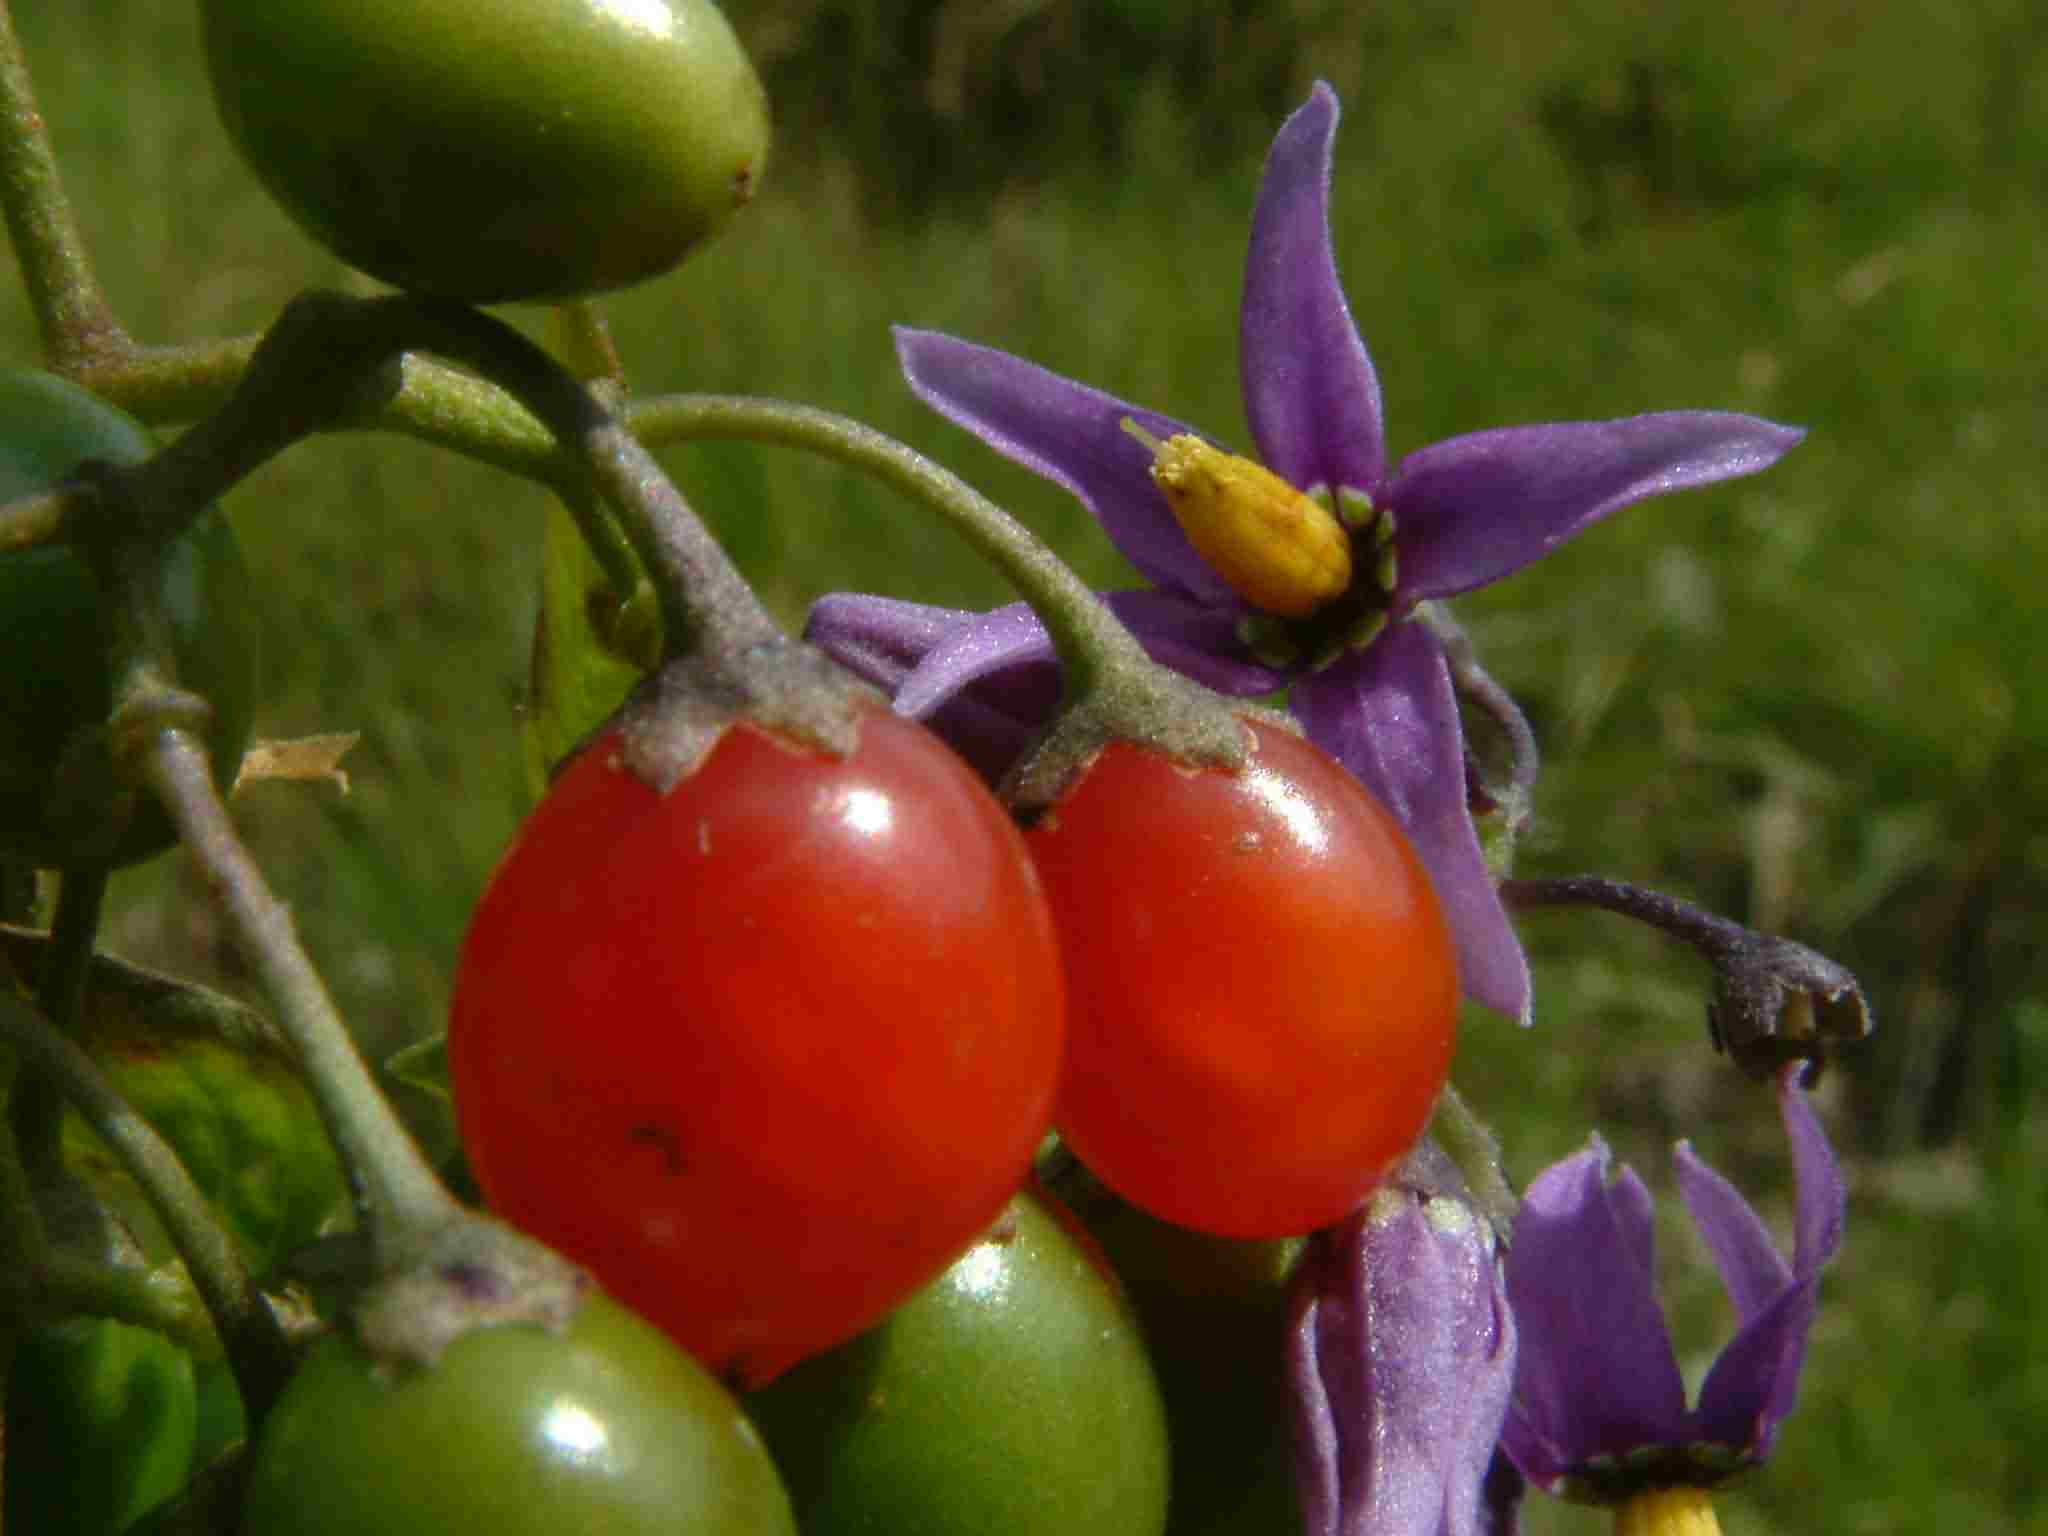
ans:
x=1368 y=681
x=1599 y=1408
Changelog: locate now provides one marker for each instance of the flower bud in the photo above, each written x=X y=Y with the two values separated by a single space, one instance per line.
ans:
x=1402 y=1353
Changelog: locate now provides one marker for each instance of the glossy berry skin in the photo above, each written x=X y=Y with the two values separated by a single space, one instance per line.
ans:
x=1215 y=1312
x=1011 y=1394
x=604 y=1426
x=492 y=150
x=766 y=1052
x=1262 y=988
x=62 y=805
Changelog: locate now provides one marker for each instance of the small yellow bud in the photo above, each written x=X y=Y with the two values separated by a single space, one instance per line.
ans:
x=1280 y=549
x=1667 y=1512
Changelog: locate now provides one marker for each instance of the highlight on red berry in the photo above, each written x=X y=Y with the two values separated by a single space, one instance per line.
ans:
x=767 y=1051
x=1262 y=988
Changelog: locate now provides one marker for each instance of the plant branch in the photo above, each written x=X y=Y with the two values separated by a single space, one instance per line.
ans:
x=1774 y=1000
x=249 y=1331
x=76 y=323
x=702 y=596
x=38 y=1109
x=396 y=1192
x=1089 y=640
x=136 y=1296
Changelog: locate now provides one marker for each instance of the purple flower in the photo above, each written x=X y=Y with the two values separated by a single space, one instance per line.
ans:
x=1369 y=681
x=1599 y=1408
x=1401 y=1354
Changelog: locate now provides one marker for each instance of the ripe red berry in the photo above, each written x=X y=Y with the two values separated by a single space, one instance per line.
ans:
x=767 y=1051
x=1262 y=989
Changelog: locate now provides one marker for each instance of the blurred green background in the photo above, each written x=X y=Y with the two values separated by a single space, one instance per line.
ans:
x=1804 y=699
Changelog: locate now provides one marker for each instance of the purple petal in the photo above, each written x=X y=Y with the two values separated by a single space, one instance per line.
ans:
x=1596 y=1374
x=880 y=638
x=1754 y=1385
x=1309 y=387
x=1196 y=640
x=1072 y=435
x=1472 y=509
x=1401 y=1355
x=1389 y=715
x=1823 y=1194
x=1002 y=640
x=886 y=640
x=1752 y=1269
x=1176 y=631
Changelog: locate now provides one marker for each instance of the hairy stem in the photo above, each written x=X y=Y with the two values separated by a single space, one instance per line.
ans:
x=76 y=323
x=705 y=603
x=396 y=1192
x=1089 y=640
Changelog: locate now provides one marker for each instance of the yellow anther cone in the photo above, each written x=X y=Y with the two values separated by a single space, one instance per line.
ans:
x=1667 y=1512
x=1280 y=550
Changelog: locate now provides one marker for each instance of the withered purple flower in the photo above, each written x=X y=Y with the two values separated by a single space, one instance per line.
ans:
x=1599 y=1409
x=1401 y=1355
x=1306 y=573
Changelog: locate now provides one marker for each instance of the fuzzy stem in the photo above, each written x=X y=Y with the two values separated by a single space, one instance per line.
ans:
x=1089 y=640
x=433 y=403
x=396 y=1192
x=1472 y=1146
x=587 y=344
x=1711 y=934
x=706 y=605
x=1774 y=999
x=76 y=323
x=249 y=1331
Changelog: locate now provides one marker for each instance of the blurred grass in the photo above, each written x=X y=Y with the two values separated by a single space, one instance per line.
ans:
x=1806 y=699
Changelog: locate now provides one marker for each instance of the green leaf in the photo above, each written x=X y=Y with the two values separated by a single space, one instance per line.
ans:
x=220 y=1085
x=102 y=1419
x=423 y=1065
x=581 y=640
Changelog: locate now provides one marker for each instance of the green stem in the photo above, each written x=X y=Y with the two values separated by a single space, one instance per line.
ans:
x=95 y=1289
x=38 y=1110
x=587 y=344
x=1469 y=1143
x=1092 y=645
x=24 y=1244
x=331 y=361
x=77 y=324
x=433 y=403
x=396 y=1191
x=705 y=603
x=249 y=1332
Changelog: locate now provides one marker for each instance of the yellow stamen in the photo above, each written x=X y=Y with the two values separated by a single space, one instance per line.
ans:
x=1280 y=549
x=1667 y=1512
